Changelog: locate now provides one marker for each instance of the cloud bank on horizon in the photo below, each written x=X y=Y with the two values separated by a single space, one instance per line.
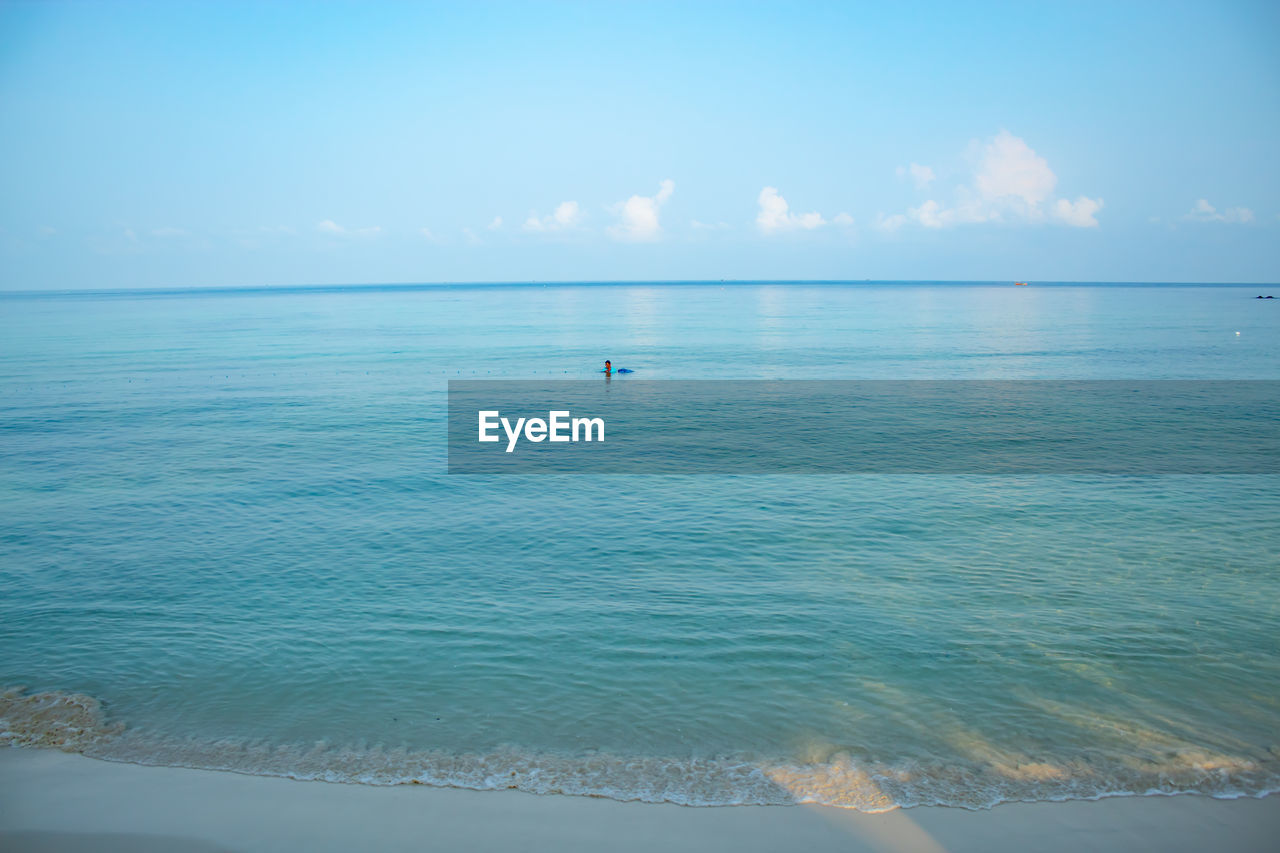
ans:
x=1010 y=184
x=184 y=144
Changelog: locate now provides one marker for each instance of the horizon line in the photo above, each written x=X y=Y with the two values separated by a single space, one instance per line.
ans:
x=424 y=285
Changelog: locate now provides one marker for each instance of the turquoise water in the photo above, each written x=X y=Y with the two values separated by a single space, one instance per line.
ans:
x=226 y=518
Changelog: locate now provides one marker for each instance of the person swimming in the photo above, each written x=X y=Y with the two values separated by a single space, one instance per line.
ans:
x=608 y=367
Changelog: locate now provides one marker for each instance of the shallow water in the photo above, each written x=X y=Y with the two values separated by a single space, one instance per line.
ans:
x=227 y=518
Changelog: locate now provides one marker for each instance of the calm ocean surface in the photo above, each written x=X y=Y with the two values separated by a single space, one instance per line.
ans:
x=226 y=518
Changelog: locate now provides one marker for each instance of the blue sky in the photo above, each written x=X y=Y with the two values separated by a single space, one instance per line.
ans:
x=187 y=144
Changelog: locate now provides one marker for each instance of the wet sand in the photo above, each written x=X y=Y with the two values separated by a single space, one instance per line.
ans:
x=56 y=801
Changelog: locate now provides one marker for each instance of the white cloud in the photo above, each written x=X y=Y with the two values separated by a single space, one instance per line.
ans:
x=891 y=222
x=638 y=215
x=842 y=219
x=1011 y=183
x=1012 y=172
x=428 y=234
x=328 y=226
x=775 y=214
x=708 y=226
x=922 y=175
x=1205 y=212
x=1079 y=214
x=495 y=224
x=566 y=215
x=931 y=215
x=472 y=239
x=168 y=231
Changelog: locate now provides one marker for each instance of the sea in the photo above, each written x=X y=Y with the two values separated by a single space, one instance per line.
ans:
x=228 y=540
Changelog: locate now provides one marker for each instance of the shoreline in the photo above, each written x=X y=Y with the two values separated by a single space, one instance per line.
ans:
x=54 y=800
x=76 y=722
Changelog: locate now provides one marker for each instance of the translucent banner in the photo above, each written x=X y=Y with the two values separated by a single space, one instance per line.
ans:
x=629 y=426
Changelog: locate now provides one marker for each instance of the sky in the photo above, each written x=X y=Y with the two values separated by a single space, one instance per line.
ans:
x=227 y=144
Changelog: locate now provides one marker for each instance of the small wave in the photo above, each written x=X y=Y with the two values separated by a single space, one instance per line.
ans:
x=75 y=722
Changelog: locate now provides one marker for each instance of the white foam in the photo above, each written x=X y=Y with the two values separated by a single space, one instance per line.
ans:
x=77 y=723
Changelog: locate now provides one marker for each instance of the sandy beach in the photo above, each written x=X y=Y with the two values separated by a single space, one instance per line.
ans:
x=55 y=801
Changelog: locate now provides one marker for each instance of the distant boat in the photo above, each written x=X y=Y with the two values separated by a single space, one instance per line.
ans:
x=1019 y=284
